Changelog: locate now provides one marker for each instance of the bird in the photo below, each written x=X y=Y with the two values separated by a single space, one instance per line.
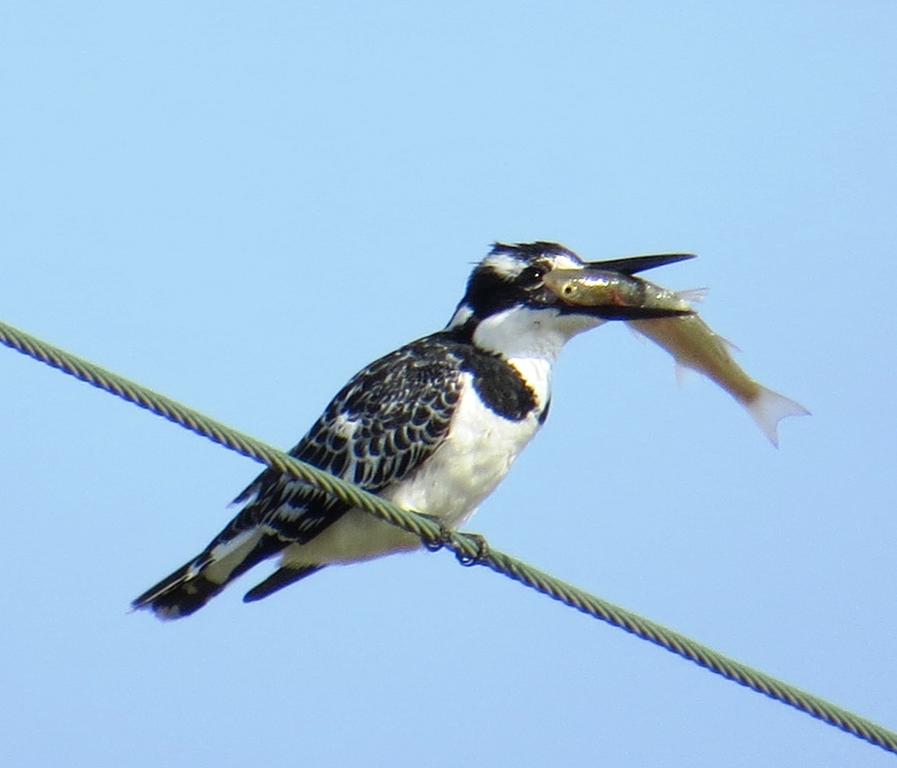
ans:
x=433 y=427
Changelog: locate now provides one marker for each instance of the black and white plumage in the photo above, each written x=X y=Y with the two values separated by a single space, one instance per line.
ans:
x=433 y=427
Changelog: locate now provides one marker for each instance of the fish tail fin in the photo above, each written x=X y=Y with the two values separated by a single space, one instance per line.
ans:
x=768 y=408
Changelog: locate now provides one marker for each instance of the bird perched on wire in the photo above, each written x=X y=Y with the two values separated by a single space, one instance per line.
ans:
x=433 y=427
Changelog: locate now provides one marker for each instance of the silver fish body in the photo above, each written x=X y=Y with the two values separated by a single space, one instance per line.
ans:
x=680 y=331
x=614 y=290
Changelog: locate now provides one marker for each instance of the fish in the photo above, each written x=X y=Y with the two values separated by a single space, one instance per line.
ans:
x=615 y=292
x=691 y=342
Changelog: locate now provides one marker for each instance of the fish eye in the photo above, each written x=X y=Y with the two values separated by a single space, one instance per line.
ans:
x=532 y=276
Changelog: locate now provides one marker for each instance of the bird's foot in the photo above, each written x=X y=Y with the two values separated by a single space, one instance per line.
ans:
x=482 y=552
x=443 y=537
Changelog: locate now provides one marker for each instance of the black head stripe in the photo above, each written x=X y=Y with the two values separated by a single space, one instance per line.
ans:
x=499 y=281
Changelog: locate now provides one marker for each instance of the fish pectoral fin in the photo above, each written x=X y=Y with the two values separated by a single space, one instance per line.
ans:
x=635 y=332
x=732 y=347
x=683 y=373
x=768 y=408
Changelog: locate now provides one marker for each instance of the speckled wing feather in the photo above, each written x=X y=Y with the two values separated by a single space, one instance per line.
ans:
x=377 y=430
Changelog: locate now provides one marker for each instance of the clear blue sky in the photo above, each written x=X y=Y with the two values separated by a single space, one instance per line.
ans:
x=240 y=204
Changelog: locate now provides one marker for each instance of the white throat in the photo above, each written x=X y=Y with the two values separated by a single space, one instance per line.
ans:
x=520 y=332
x=531 y=340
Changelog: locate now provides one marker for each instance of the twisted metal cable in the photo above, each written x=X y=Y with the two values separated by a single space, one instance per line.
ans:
x=467 y=548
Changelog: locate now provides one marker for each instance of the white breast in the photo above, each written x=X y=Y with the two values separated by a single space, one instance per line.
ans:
x=476 y=455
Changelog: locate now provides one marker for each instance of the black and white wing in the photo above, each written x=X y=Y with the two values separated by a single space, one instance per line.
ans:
x=377 y=430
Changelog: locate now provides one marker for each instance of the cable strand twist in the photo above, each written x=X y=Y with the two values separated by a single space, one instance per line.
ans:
x=466 y=547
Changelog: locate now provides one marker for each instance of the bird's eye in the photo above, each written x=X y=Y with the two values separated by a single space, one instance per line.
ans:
x=532 y=276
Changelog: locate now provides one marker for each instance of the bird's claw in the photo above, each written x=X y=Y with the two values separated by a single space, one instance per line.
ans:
x=435 y=545
x=445 y=536
x=481 y=554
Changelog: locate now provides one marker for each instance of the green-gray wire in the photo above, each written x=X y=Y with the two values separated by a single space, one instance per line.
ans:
x=466 y=547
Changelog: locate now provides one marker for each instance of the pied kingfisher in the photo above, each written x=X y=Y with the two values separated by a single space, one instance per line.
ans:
x=433 y=427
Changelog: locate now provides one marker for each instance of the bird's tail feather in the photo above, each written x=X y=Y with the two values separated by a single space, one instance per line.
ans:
x=183 y=592
x=281 y=578
x=192 y=585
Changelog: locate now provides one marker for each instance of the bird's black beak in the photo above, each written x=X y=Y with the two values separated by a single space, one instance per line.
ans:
x=633 y=264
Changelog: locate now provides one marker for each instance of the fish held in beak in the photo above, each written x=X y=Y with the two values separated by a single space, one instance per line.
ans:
x=614 y=295
x=668 y=319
